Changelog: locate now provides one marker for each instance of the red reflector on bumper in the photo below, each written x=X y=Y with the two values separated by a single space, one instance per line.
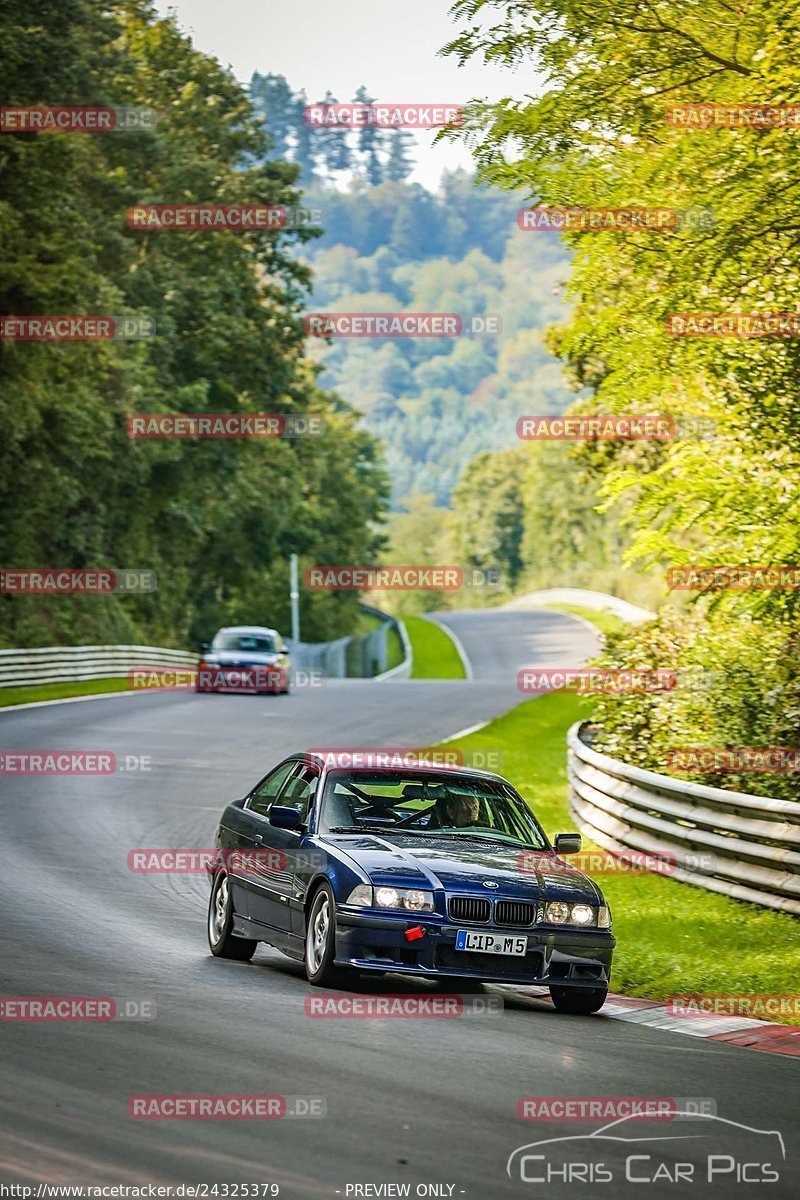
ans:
x=413 y=934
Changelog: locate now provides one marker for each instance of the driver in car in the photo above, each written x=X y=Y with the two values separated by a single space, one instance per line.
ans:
x=458 y=811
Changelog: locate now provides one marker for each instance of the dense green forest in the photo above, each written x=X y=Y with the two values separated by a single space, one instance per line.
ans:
x=612 y=79
x=216 y=520
x=389 y=245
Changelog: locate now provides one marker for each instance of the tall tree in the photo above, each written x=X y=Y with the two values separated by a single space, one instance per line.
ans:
x=303 y=138
x=369 y=141
x=400 y=161
x=332 y=148
x=276 y=106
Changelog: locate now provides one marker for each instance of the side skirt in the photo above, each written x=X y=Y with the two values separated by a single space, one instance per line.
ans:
x=279 y=939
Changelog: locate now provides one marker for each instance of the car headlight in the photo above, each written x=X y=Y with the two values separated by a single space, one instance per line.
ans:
x=559 y=913
x=582 y=914
x=409 y=899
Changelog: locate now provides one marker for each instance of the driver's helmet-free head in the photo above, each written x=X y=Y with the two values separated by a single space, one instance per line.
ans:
x=459 y=810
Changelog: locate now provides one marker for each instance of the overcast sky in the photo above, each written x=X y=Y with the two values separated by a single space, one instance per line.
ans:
x=389 y=45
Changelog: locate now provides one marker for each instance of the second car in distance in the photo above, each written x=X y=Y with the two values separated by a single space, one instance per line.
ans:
x=245 y=658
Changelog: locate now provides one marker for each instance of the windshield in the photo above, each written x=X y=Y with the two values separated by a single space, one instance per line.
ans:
x=255 y=642
x=427 y=804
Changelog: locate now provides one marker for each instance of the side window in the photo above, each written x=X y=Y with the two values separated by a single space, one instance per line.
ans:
x=300 y=790
x=265 y=794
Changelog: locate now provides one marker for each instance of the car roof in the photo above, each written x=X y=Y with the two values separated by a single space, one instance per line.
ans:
x=246 y=629
x=439 y=768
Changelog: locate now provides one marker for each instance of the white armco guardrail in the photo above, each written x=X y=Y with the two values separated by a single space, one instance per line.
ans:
x=54 y=664
x=365 y=655
x=746 y=847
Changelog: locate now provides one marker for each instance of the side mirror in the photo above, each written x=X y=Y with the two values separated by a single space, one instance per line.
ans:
x=204 y=647
x=283 y=817
x=567 y=843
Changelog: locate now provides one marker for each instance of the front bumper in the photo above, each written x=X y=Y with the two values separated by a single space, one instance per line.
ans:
x=252 y=680
x=573 y=957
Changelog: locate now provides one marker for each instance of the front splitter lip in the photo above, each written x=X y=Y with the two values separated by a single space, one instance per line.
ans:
x=368 y=965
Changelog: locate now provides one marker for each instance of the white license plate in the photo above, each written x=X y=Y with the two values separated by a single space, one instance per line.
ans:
x=490 y=943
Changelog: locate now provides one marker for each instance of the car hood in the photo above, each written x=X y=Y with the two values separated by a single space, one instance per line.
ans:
x=467 y=867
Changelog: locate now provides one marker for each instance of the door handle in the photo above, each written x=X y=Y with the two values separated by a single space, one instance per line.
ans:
x=258 y=839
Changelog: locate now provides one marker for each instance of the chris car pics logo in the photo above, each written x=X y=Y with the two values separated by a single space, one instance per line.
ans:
x=703 y=1149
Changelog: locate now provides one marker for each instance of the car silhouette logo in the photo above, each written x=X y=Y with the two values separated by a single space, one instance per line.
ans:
x=490 y=883
x=615 y=1132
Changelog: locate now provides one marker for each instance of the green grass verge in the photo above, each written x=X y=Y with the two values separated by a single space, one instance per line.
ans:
x=606 y=622
x=62 y=691
x=434 y=651
x=671 y=937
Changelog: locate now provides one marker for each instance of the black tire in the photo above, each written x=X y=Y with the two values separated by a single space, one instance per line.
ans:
x=221 y=941
x=579 y=1001
x=319 y=950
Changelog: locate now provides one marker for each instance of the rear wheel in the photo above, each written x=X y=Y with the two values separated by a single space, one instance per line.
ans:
x=320 y=947
x=578 y=1000
x=220 y=923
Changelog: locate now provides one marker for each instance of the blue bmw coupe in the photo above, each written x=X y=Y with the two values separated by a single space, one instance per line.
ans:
x=420 y=869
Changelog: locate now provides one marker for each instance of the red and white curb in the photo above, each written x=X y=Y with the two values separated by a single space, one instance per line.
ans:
x=737 y=1031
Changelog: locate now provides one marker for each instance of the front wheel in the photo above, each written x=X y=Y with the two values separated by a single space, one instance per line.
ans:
x=320 y=947
x=580 y=1001
x=220 y=922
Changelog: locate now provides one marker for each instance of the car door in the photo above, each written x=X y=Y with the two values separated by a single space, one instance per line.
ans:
x=273 y=900
x=257 y=877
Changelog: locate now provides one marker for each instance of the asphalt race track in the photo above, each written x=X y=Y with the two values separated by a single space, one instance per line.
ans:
x=417 y=1102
